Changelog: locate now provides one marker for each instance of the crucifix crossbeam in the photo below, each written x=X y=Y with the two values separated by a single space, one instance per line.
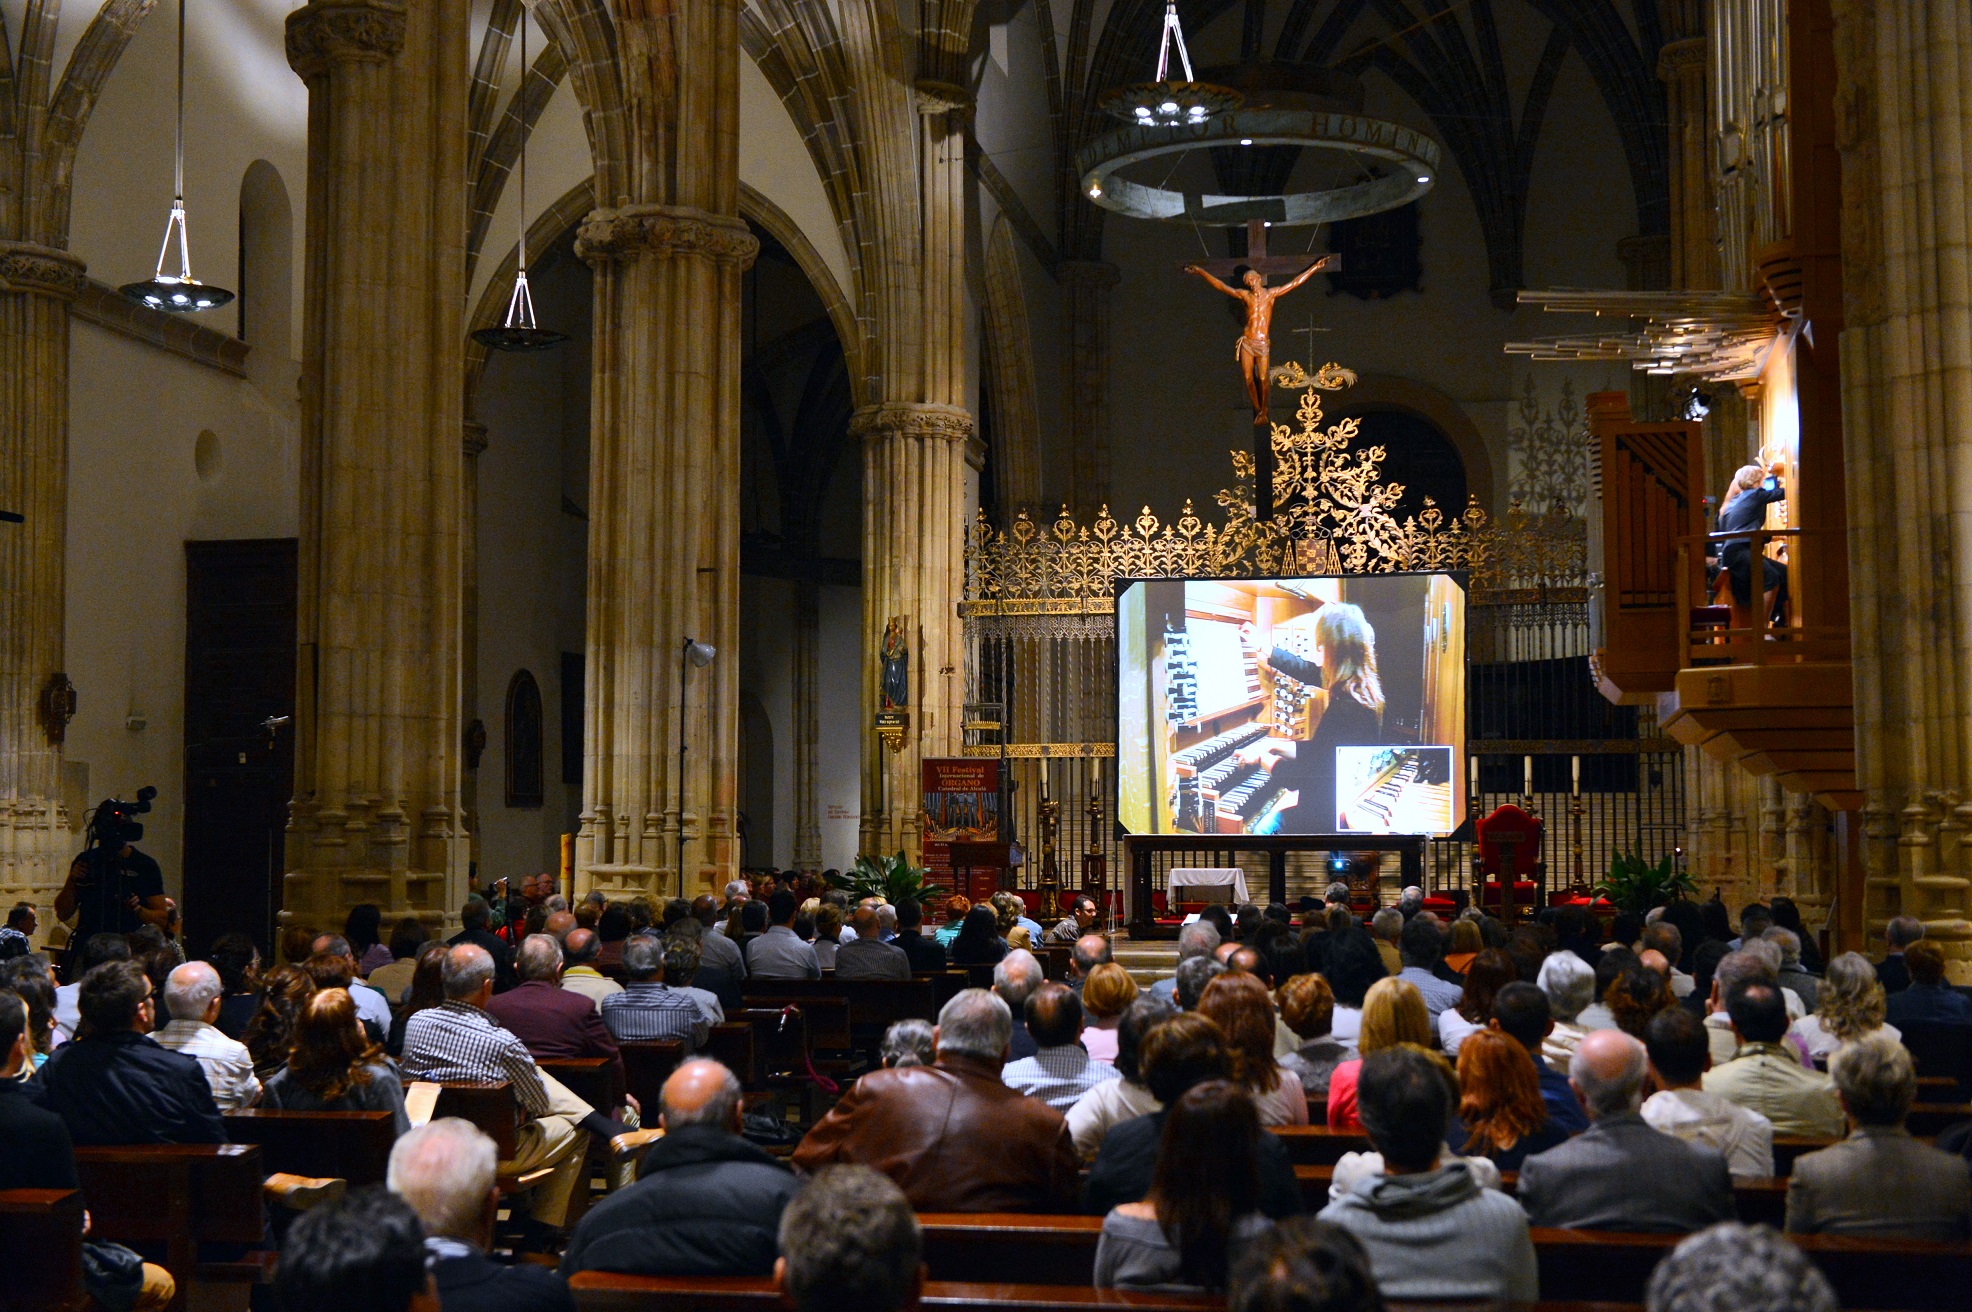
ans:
x=1268 y=266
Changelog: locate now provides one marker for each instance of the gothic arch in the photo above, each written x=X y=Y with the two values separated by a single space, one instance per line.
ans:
x=492 y=304
x=1389 y=392
x=1008 y=363
x=756 y=208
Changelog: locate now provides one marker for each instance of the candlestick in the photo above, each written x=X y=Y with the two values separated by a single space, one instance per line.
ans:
x=1044 y=780
x=1475 y=780
x=1575 y=766
x=1528 y=762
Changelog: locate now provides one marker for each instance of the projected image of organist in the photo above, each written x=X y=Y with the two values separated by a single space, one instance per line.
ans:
x=1346 y=707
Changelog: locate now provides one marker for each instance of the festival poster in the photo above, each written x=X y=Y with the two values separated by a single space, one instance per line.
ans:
x=961 y=805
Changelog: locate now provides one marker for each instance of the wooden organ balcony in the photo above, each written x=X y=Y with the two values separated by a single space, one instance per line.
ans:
x=1776 y=699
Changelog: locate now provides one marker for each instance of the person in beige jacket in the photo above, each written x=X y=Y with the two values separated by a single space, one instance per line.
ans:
x=1766 y=1077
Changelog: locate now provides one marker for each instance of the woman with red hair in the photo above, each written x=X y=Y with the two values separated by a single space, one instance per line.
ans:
x=1500 y=1108
x=333 y=1066
x=1239 y=1005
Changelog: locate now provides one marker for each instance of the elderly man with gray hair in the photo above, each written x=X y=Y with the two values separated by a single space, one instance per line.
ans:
x=1620 y=1174
x=191 y=998
x=1569 y=983
x=649 y=1010
x=1740 y=1268
x=706 y=1202
x=1879 y=1182
x=1198 y=939
x=951 y=1135
x=852 y=1244
x=459 y=1040
x=1757 y=962
x=1015 y=978
x=445 y=1171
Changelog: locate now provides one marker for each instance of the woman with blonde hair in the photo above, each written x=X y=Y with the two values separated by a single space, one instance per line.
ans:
x=1239 y=1005
x=1848 y=1005
x=333 y=1066
x=1106 y=994
x=1500 y=1108
x=1348 y=701
x=1742 y=509
x=1393 y=1013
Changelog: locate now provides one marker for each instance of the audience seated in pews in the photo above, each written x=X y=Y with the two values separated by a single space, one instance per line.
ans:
x=829 y=923
x=363 y=930
x=427 y=990
x=192 y=998
x=1111 y=1102
x=1431 y=1231
x=446 y=1172
x=579 y=974
x=100 y=950
x=648 y=1009
x=1793 y=975
x=1501 y=1114
x=706 y=1202
x=1061 y=1070
x=1680 y=1055
x=1569 y=983
x=1386 y=927
x=1082 y=918
x=371 y=1004
x=1085 y=954
x=1239 y=1004
x=1394 y=1012
x=923 y=951
x=1763 y=1074
x=1638 y=993
x=1928 y=1000
x=1620 y=1174
x=554 y=1024
x=1520 y=1011
x=237 y=960
x=269 y=1035
x=1106 y=992
x=393 y=977
x=459 y=1041
x=1178 y=1053
x=867 y=956
x=1757 y=962
x=1879 y=1181
x=778 y=953
x=685 y=971
x=978 y=942
x=115 y=1084
x=715 y=947
x=1849 y=1003
x=1204 y=1199
x=951 y=1135
x=1192 y=976
x=32 y=978
x=1303 y=1265
x=365 y=1251
x=1307 y=1008
x=850 y=1243
x=1738 y=1268
x=1016 y=975
x=334 y=1066
x=1198 y=939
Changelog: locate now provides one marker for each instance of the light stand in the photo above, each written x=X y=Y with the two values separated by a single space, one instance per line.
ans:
x=700 y=654
x=519 y=332
x=182 y=294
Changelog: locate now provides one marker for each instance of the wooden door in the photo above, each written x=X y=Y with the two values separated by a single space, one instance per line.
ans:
x=239 y=770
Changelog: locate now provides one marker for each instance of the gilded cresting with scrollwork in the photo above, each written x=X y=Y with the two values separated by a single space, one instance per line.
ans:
x=1334 y=516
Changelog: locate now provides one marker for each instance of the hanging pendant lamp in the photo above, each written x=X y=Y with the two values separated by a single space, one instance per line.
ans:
x=519 y=331
x=182 y=294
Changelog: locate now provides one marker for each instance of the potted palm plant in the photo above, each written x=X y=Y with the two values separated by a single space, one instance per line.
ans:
x=892 y=878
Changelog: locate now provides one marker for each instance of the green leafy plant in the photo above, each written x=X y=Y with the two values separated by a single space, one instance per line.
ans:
x=892 y=878
x=1633 y=884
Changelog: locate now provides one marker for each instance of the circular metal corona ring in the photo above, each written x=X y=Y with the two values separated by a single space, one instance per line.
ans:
x=1410 y=159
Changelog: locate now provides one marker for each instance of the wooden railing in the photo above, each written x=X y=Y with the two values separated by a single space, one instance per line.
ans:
x=1748 y=635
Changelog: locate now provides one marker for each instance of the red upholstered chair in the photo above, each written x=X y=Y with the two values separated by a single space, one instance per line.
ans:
x=1510 y=838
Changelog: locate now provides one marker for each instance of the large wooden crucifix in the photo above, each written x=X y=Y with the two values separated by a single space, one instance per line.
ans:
x=1254 y=349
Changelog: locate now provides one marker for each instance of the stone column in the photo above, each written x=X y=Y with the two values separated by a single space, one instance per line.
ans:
x=663 y=547
x=36 y=286
x=474 y=743
x=376 y=815
x=918 y=448
x=807 y=724
x=1902 y=120
x=1086 y=286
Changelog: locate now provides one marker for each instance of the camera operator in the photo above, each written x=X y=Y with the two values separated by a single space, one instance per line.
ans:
x=113 y=888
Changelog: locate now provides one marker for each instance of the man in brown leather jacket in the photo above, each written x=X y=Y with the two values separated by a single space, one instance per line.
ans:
x=951 y=1135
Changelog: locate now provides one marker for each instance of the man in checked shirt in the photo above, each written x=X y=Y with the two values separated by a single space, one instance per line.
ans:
x=459 y=1041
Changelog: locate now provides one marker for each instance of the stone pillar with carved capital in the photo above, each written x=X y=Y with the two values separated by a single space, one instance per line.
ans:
x=1086 y=286
x=663 y=548
x=377 y=812
x=1900 y=121
x=37 y=284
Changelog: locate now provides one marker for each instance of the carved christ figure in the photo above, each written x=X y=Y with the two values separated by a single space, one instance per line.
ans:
x=1253 y=348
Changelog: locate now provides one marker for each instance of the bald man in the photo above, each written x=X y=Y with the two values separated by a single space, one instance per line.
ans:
x=580 y=948
x=706 y=1202
x=867 y=956
x=1620 y=1174
x=191 y=997
x=559 y=925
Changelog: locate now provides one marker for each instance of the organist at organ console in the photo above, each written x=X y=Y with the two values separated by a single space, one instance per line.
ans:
x=1346 y=708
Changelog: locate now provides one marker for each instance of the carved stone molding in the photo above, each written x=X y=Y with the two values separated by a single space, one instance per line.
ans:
x=474 y=442
x=911 y=419
x=630 y=231
x=936 y=96
x=25 y=267
x=1675 y=57
x=320 y=34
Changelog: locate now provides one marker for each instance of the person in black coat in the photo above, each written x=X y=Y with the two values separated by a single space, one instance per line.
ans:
x=118 y=1085
x=1179 y=1052
x=1743 y=510
x=923 y=953
x=446 y=1171
x=476 y=917
x=38 y=1154
x=706 y=1202
x=1351 y=715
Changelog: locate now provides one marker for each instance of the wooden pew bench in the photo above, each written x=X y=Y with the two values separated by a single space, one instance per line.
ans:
x=41 y=1249
x=1317 y=1145
x=596 y=1291
x=592 y=1079
x=354 y=1146
x=173 y=1198
x=647 y=1064
x=1757 y=1200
